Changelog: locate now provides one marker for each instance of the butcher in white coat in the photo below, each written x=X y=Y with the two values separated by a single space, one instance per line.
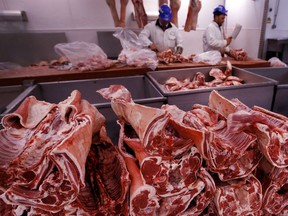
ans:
x=214 y=37
x=161 y=35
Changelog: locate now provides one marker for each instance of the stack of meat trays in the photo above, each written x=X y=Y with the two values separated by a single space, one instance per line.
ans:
x=186 y=87
x=141 y=88
x=280 y=100
x=9 y=96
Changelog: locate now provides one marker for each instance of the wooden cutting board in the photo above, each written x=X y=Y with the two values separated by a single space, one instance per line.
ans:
x=249 y=63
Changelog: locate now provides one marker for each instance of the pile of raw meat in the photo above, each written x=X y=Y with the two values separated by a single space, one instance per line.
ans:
x=223 y=158
x=56 y=159
x=167 y=57
x=238 y=54
x=138 y=57
x=219 y=78
x=95 y=62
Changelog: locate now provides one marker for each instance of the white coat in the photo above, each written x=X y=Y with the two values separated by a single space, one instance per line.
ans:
x=168 y=39
x=213 y=38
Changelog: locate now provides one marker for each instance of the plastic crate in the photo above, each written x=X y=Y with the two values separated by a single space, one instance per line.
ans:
x=280 y=100
x=141 y=88
x=9 y=94
x=250 y=93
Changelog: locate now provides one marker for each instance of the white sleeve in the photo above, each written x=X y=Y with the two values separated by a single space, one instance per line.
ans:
x=227 y=49
x=144 y=36
x=214 y=38
x=179 y=39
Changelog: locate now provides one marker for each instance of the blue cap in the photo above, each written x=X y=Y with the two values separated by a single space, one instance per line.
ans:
x=165 y=12
x=220 y=9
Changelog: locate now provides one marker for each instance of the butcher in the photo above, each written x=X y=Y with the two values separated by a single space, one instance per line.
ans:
x=162 y=34
x=214 y=37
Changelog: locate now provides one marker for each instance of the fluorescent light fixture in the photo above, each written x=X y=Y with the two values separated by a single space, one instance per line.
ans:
x=150 y=15
x=13 y=15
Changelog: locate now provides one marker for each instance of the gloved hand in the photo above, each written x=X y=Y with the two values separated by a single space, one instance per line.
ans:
x=179 y=50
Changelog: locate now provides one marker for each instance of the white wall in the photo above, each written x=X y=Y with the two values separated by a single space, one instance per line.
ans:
x=249 y=14
x=81 y=19
x=281 y=30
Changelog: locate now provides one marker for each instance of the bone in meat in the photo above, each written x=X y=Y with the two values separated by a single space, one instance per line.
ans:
x=175 y=6
x=140 y=13
x=192 y=15
x=118 y=21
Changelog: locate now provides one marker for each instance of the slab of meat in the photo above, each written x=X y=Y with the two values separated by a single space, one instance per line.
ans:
x=140 y=13
x=106 y=182
x=275 y=199
x=238 y=54
x=139 y=58
x=192 y=15
x=168 y=176
x=175 y=6
x=119 y=21
x=173 y=84
x=230 y=155
x=168 y=163
x=95 y=62
x=270 y=128
x=146 y=121
x=159 y=133
x=192 y=201
x=143 y=199
x=172 y=177
x=239 y=197
x=168 y=56
x=43 y=152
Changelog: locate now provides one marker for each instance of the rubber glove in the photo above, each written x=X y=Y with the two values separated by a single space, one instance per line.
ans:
x=179 y=50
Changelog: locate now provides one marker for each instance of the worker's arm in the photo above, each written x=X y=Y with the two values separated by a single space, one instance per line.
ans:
x=144 y=36
x=213 y=39
x=179 y=43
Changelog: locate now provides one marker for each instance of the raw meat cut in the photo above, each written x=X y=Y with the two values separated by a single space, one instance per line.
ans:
x=172 y=177
x=95 y=62
x=143 y=198
x=206 y=161
x=194 y=200
x=43 y=152
x=269 y=128
x=238 y=54
x=139 y=57
x=275 y=196
x=167 y=57
x=192 y=15
x=170 y=167
x=119 y=21
x=175 y=6
x=274 y=183
x=158 y=132
x=239 y=197
x=140 y=13
x=230 y=155
x=219 y=78
x=106 y=182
